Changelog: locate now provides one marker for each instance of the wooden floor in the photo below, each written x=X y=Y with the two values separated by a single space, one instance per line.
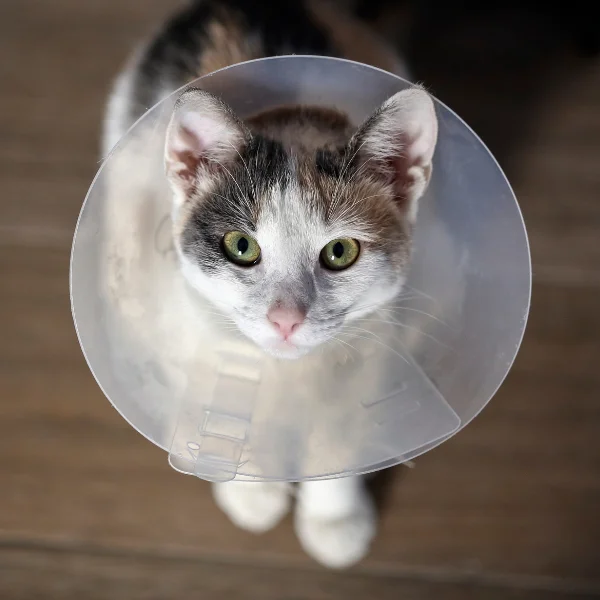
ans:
x=509 y=508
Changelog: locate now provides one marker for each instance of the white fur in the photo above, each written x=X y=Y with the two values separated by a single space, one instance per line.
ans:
x=286 y=252
x=335 y=520
x=256 y=506
x=402 y=143
x=116 y=121
x=202 y=129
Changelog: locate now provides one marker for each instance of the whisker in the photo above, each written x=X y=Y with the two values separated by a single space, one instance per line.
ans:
x=421 y=312
x=386 y=346
x=242 y=198
x=343 y=214
x=346 y=209
x=245 y=166
x=356 y=328
x=339 y=191
x=236 y=208
x=410 y=328
x=375 y=306
x=336 y=339
x=416 y=291
x=348 y=162
x=339 y=194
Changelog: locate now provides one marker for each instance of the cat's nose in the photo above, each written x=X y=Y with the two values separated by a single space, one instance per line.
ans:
x=285 y=319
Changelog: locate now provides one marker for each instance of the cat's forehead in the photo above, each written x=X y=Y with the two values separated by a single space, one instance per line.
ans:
x=294 y=202
x=318 y=195
x=292 y=218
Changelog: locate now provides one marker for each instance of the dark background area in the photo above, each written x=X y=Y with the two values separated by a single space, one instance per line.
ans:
x=509 y=508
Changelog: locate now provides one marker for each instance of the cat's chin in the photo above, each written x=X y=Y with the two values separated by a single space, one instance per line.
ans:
x=285 y=350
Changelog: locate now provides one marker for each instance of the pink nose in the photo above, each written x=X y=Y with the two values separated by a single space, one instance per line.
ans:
x=286 y=320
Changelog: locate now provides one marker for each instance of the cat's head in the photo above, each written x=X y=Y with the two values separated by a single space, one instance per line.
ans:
x=292 y=224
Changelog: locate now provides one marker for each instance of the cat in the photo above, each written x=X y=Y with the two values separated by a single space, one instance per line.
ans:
x=259 y=226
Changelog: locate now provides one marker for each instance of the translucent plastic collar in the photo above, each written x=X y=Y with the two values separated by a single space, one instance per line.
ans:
x=212 y=400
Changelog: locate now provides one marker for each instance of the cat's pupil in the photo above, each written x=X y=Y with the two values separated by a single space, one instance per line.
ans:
x=242 y=245
x=338 y=250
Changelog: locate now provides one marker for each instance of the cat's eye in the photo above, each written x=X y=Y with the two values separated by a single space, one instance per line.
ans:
x=241 y=248
x=340 y=254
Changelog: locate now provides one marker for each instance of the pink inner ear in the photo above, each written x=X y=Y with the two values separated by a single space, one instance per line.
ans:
x=187 y=150
x=420 y=144
x=202 y=137
x=401 y=175
x=187 y=165
x=187 y=137
x=187 y=153
x=199 y=140
x=400 y=141
x=417 y=145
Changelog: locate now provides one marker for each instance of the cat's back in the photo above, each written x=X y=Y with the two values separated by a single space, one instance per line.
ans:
x=207 y=35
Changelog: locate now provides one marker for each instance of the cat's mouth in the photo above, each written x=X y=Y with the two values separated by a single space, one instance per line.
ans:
x=288 y=347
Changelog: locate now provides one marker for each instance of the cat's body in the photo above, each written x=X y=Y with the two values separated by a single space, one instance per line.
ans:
x=211 y=34
x=292 y=223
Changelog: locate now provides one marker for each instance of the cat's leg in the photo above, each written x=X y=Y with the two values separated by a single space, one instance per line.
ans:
x=253 y=506
x=335 y=520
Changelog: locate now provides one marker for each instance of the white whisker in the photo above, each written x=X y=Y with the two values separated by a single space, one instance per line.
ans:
x=245 y=166
x=421 y=312
x=243 y=198
x=423 y=294
x=386 y=346
x=404 y=326
x=338 y=192
x=335 y=339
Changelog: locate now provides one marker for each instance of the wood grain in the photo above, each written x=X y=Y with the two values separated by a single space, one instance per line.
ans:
x=70 y=575
x=514 y=494
x=89 y=509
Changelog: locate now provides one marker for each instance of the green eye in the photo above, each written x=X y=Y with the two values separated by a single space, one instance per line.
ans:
x=241 y=248
x=340 y=254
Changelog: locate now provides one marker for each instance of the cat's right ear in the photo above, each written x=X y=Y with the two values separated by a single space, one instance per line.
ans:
x=203 y=137
x=397 y=143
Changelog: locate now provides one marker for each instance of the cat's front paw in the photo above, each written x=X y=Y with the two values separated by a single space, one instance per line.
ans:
x=341 y=541
x=253 y=506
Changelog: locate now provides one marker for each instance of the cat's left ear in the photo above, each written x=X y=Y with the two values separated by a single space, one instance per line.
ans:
x=397 y=144
x=204 y=137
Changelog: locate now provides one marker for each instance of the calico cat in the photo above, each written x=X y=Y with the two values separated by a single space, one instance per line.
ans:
x=260 y=225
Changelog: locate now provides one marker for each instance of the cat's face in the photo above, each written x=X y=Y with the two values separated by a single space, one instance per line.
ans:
x=294 y=252
x=289 y=245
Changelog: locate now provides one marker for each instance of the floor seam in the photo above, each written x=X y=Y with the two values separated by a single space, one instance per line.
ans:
x=416 y=574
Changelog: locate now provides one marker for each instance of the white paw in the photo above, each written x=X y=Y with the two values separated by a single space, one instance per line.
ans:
x=341 y=541
x=253 y=506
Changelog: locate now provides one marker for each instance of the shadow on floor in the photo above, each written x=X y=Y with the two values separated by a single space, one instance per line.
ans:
x=492 y=62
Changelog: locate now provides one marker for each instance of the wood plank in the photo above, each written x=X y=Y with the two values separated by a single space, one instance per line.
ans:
x=50 y=112
x=534 y=106
x=64 y=575
x=511 y=501
x=43 y=209
x=515 y=493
